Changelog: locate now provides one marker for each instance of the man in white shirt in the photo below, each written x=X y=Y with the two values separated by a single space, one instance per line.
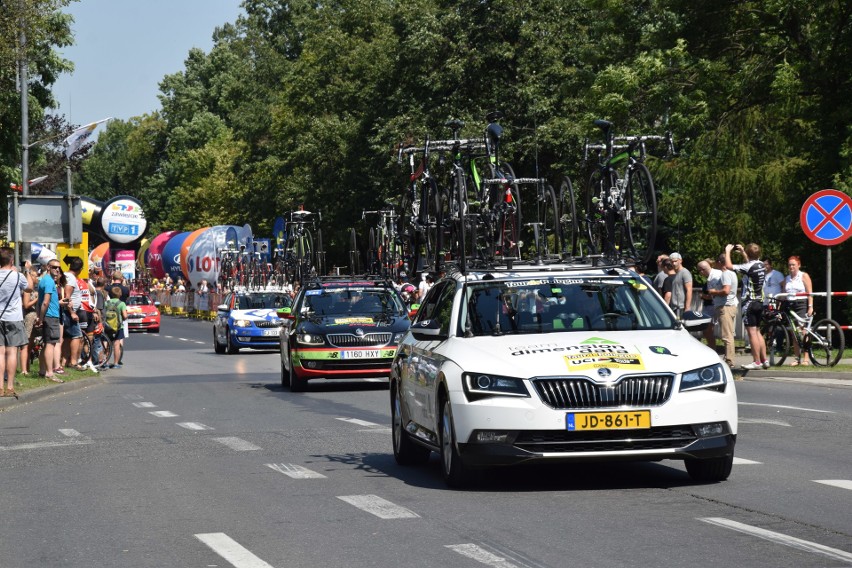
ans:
x=722 y=287
x=773 y=282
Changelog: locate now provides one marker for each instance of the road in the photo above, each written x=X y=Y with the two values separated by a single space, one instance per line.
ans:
x=187 y=458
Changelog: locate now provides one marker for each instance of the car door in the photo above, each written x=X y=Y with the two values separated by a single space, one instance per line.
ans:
x=424 y=362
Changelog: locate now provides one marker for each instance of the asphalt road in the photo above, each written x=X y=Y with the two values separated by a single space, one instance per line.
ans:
x=187 y=458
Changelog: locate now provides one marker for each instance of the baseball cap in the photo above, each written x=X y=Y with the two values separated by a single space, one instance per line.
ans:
x=675 y=256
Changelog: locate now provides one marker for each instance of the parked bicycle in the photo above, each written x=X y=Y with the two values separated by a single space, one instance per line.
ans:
x=618 y=215
x=823 y=342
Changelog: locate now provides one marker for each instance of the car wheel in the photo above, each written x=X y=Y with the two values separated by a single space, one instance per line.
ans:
x=217 y=347
x=296 y=384
x=405 y=451
x=285 y=376
x=229 y=346
x=456 y=474
x=710 y=470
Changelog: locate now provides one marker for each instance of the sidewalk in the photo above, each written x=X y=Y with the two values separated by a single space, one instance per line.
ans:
x=811 y=372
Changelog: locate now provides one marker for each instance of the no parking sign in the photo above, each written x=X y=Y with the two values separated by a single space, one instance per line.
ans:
x=826 y=217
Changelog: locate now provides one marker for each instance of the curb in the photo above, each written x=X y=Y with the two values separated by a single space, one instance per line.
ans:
x=49 y=390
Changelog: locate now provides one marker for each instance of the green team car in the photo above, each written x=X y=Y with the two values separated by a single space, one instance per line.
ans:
x=341 y=329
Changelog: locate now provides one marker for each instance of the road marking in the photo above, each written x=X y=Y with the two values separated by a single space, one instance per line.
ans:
x=379 y=507
x=183 y=339
x=39 y=445
x=743 y=461
x=383 y=430
x=167 y=336
x=237 y=444
x=163 y=413
x=193 y=426
x=132 y=396
x=780 y=538
x=359 y=422
x=144 y=405
x=71 y=433
x=842 y=483
x=295 y=471
x=763 y=421
x=787 y=407
x=232 y=551
x=481 y=555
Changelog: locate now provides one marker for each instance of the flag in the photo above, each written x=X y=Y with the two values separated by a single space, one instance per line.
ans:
x=17 y=187
x=79 y=137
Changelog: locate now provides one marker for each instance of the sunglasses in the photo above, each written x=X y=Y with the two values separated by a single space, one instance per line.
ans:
x=54 y=267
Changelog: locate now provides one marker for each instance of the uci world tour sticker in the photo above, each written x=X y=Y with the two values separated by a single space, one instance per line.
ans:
x=595 y=353
x=659 y=350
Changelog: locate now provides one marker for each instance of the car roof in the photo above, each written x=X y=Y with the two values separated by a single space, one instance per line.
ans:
x=348 y=281
x=544 y=271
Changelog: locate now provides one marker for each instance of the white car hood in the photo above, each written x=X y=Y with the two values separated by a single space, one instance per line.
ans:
x=258 y=314
x=581 y=353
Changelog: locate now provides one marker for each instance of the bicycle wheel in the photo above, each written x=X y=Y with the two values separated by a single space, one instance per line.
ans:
x=590 y=215
x=778 y=342
x=641 y=213
x=826 y=343
x=568 y=217
x=551 y=233
x=85 y=350
x=354 y=257
x=106 y=348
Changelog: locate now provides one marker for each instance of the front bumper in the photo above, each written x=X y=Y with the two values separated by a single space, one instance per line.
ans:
x=143 y=323
x=343 y=363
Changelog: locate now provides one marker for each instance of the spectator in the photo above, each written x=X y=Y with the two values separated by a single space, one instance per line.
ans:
x=12 y=285
x=661 y=276
x=118 y=339
x=705 y=268
x=752 y=299
x=71 y=314
x=722 y=287
x=798 y=282
x=48 y=320
x=773 y=282
x=119 y=280
x=681 y=287
x=30 y=307
x=668 y=281
x=61 y=282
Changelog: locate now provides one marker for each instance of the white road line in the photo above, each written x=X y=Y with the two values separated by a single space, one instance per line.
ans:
x=842 y=483
x=193 y=426
x=163 y=413
x=780 y=538
x=295 y=471
x=167 y=336
x=232 y=551
x=39 y=445
x=481 y=555
x=183 y=339
x=144 y=405
x=71 y=433
x=359 y=422
x=379 y=507
x=743 y=461
x=237 y=444
x=382 y=430
x=788 y=407
x=763 y=421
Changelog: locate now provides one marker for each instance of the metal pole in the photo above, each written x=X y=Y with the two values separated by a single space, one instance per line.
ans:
x=828 y=282
x=25 y=133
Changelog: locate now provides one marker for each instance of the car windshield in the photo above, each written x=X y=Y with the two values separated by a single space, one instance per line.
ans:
x=138 y=301
x=346 y=301
x=561 y=305
x=265 y=300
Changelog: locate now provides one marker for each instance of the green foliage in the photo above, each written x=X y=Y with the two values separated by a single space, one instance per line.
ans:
x=304 y=103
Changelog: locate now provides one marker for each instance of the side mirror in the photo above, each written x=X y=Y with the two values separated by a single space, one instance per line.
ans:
x=285 y=313
x=157 y=304
x=222 y=308
x=696 y=321
x=428 y=328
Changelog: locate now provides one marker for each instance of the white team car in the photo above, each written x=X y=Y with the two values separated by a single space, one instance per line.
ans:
x=558 y=364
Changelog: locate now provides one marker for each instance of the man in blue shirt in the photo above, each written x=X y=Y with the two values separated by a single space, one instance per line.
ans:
x=48 y=319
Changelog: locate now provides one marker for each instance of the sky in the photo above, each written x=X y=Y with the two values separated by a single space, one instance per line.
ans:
x=124 y=48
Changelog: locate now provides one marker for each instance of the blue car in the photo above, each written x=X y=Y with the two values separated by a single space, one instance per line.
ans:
x=248 y=319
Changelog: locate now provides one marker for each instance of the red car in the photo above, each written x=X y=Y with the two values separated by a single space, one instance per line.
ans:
x=142 y=313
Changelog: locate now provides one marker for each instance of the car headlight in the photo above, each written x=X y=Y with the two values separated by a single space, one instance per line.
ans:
x=712 y=377
x=242 y=323
x=310 y=339
x=485 y=384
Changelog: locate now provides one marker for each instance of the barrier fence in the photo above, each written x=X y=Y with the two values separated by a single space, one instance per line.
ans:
x=188 y=304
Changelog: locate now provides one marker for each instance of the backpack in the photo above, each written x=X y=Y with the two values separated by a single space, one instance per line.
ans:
x=112 y=316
